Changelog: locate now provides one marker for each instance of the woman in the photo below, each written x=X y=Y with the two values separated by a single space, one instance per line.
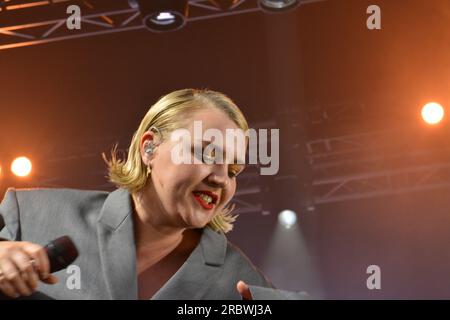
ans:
x=160 y=235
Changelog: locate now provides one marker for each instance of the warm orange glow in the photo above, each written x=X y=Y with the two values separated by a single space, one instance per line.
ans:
x=432 y=113
x=21 y=166
x=27 y=5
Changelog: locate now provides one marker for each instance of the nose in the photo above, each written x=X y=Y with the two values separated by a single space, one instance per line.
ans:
x=218 y=178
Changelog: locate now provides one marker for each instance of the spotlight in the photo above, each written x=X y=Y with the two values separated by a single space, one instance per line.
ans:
x=287 y=218
x=21 y=166
x=432 y=113
x=277 y=5
x=164 y=15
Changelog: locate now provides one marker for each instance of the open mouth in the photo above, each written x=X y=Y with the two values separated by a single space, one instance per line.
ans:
x=206 y=199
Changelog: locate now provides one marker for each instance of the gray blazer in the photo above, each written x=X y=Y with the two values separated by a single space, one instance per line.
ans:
x=101 y=226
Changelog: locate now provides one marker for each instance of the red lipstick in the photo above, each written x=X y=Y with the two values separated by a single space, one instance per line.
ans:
x=203 y=202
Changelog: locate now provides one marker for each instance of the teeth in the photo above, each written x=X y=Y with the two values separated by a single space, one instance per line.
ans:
x=205 y=197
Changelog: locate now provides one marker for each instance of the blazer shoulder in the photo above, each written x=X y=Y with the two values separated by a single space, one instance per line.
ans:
x=35 y=213
x=59 y=201
x=62 y=194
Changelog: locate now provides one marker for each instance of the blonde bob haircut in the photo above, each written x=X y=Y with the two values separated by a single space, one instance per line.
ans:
x=169 y=113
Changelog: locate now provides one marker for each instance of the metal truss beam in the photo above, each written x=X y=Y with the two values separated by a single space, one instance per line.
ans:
x=389 y=182
x=370 y=164
x=112 y=17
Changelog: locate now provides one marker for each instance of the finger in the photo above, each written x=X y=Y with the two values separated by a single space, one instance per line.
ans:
x=244 y=290
x=41 y=262
x=23 y=262
x=13 y=276
x=51 y=279
x=7 y=288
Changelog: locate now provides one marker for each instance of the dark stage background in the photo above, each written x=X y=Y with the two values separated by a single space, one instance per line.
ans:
x=317 y=73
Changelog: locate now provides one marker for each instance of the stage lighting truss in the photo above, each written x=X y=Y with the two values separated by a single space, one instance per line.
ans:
x=374 y=163
x=25 y=23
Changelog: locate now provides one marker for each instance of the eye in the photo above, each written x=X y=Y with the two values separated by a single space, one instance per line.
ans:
x=211 y=156
x=200 y=154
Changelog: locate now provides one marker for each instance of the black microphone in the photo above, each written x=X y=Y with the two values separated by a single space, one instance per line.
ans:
x=61 y=252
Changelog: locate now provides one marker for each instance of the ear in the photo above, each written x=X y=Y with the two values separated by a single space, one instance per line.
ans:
x=147 y=137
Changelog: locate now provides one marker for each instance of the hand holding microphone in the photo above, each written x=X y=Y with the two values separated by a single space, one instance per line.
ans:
x=23 y=264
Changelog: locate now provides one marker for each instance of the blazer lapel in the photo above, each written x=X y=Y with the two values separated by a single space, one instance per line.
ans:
x=200 y=271
x=116 y=245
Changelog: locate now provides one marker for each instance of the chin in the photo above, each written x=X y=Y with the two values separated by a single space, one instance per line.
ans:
x=196 y=222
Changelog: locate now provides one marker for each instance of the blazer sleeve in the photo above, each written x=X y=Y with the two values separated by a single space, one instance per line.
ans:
x=9 y=217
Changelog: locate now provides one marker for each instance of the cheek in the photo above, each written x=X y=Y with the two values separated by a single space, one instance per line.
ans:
x=177 y=179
